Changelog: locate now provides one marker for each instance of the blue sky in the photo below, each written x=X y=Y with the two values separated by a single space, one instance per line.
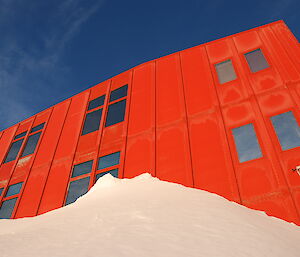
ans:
x=53 y=49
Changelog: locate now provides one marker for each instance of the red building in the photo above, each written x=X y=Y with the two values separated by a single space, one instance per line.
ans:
x=222 y=116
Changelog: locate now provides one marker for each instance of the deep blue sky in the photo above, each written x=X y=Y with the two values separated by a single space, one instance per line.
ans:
x=53 y=49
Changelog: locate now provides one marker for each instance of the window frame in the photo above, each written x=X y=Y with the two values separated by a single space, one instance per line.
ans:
x=259 y=141
x=266 y=56
x=79 y=177
x=41 y=130
x=234 y=69
x=19 y=151
x=4 y=197
x=272 y=128
x=108 y=168
x=88 y=111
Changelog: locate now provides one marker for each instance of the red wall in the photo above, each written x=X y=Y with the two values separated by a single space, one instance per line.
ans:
x=178 y=127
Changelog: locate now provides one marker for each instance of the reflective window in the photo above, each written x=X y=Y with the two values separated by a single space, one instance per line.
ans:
x=82 y=168
x=7 y=208
x=225 y=71
x=287 y=130
x=13 y=151
x=256 y=60
x=31 y=144
x=92 y=122
x=38 y=127
x=113 y=172
x=77 y=188
x=246 y=143
x=116 y=113
x=14 y=189
x=20 y=135
x=109 y=160
x=1 y=190
x=118 y=93
x=96 y=102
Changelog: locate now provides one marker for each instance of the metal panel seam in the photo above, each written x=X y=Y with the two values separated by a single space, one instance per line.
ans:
x=186 y=119
x=100 y=134
x=155 y=118
x=287 y=52
x=225 y=130
x=26 y=178
x=128 y=99
x=74 y=153
x=53 y=157
x=6 y=187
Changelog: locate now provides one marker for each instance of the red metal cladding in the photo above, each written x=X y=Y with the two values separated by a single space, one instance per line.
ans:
x=177 y=118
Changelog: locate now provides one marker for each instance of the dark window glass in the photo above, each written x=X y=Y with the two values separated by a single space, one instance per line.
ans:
x=287 y=130
x=38 y=127
x=116 y=113
x=20 y=135
x=1 y=190
x=82 y=168
x=109 y=160
x=225 y=71
x=92 y=122
x=256 y=60
x=96 y=102
x=13 y=151
x=246 y=143
x=7 y=208
x=77 y=188
x=14 y=189
x=31 y=144
x=118 y=93
x=113 y=172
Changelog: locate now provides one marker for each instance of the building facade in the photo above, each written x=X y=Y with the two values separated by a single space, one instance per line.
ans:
x=222 y=117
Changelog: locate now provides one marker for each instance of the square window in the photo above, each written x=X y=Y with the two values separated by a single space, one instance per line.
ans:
x=14 y=189
x=13 y=151
x=96 y=102
x=114 y=173
x=118 y=93
x=225 y=71
x=77 y=188
x=7 y=208
x=82 y=168
x=31 y=144
x=115 y=113
x=20 y=135
x=92 y=122
x=287 y=130
x=256 y=60
x=38 y=127
x=109 y=160
x=246 y=143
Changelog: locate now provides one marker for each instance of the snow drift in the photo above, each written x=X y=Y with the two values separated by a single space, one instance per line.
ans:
x=147 y=217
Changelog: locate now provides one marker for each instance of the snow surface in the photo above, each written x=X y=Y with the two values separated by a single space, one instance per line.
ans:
x=144 y=217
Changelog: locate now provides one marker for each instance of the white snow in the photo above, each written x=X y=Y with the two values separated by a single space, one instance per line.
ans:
x=144 y=217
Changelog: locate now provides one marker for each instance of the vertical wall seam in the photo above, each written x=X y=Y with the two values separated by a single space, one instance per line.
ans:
x=186 y=119
x=52 y=160
x=34 y=157
x=74 y=153
x=128 y=105
x=224 y=127
x=155 y=118
x=17 y=160
x=13 y=167
x=284 y=49
x=100 y=134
